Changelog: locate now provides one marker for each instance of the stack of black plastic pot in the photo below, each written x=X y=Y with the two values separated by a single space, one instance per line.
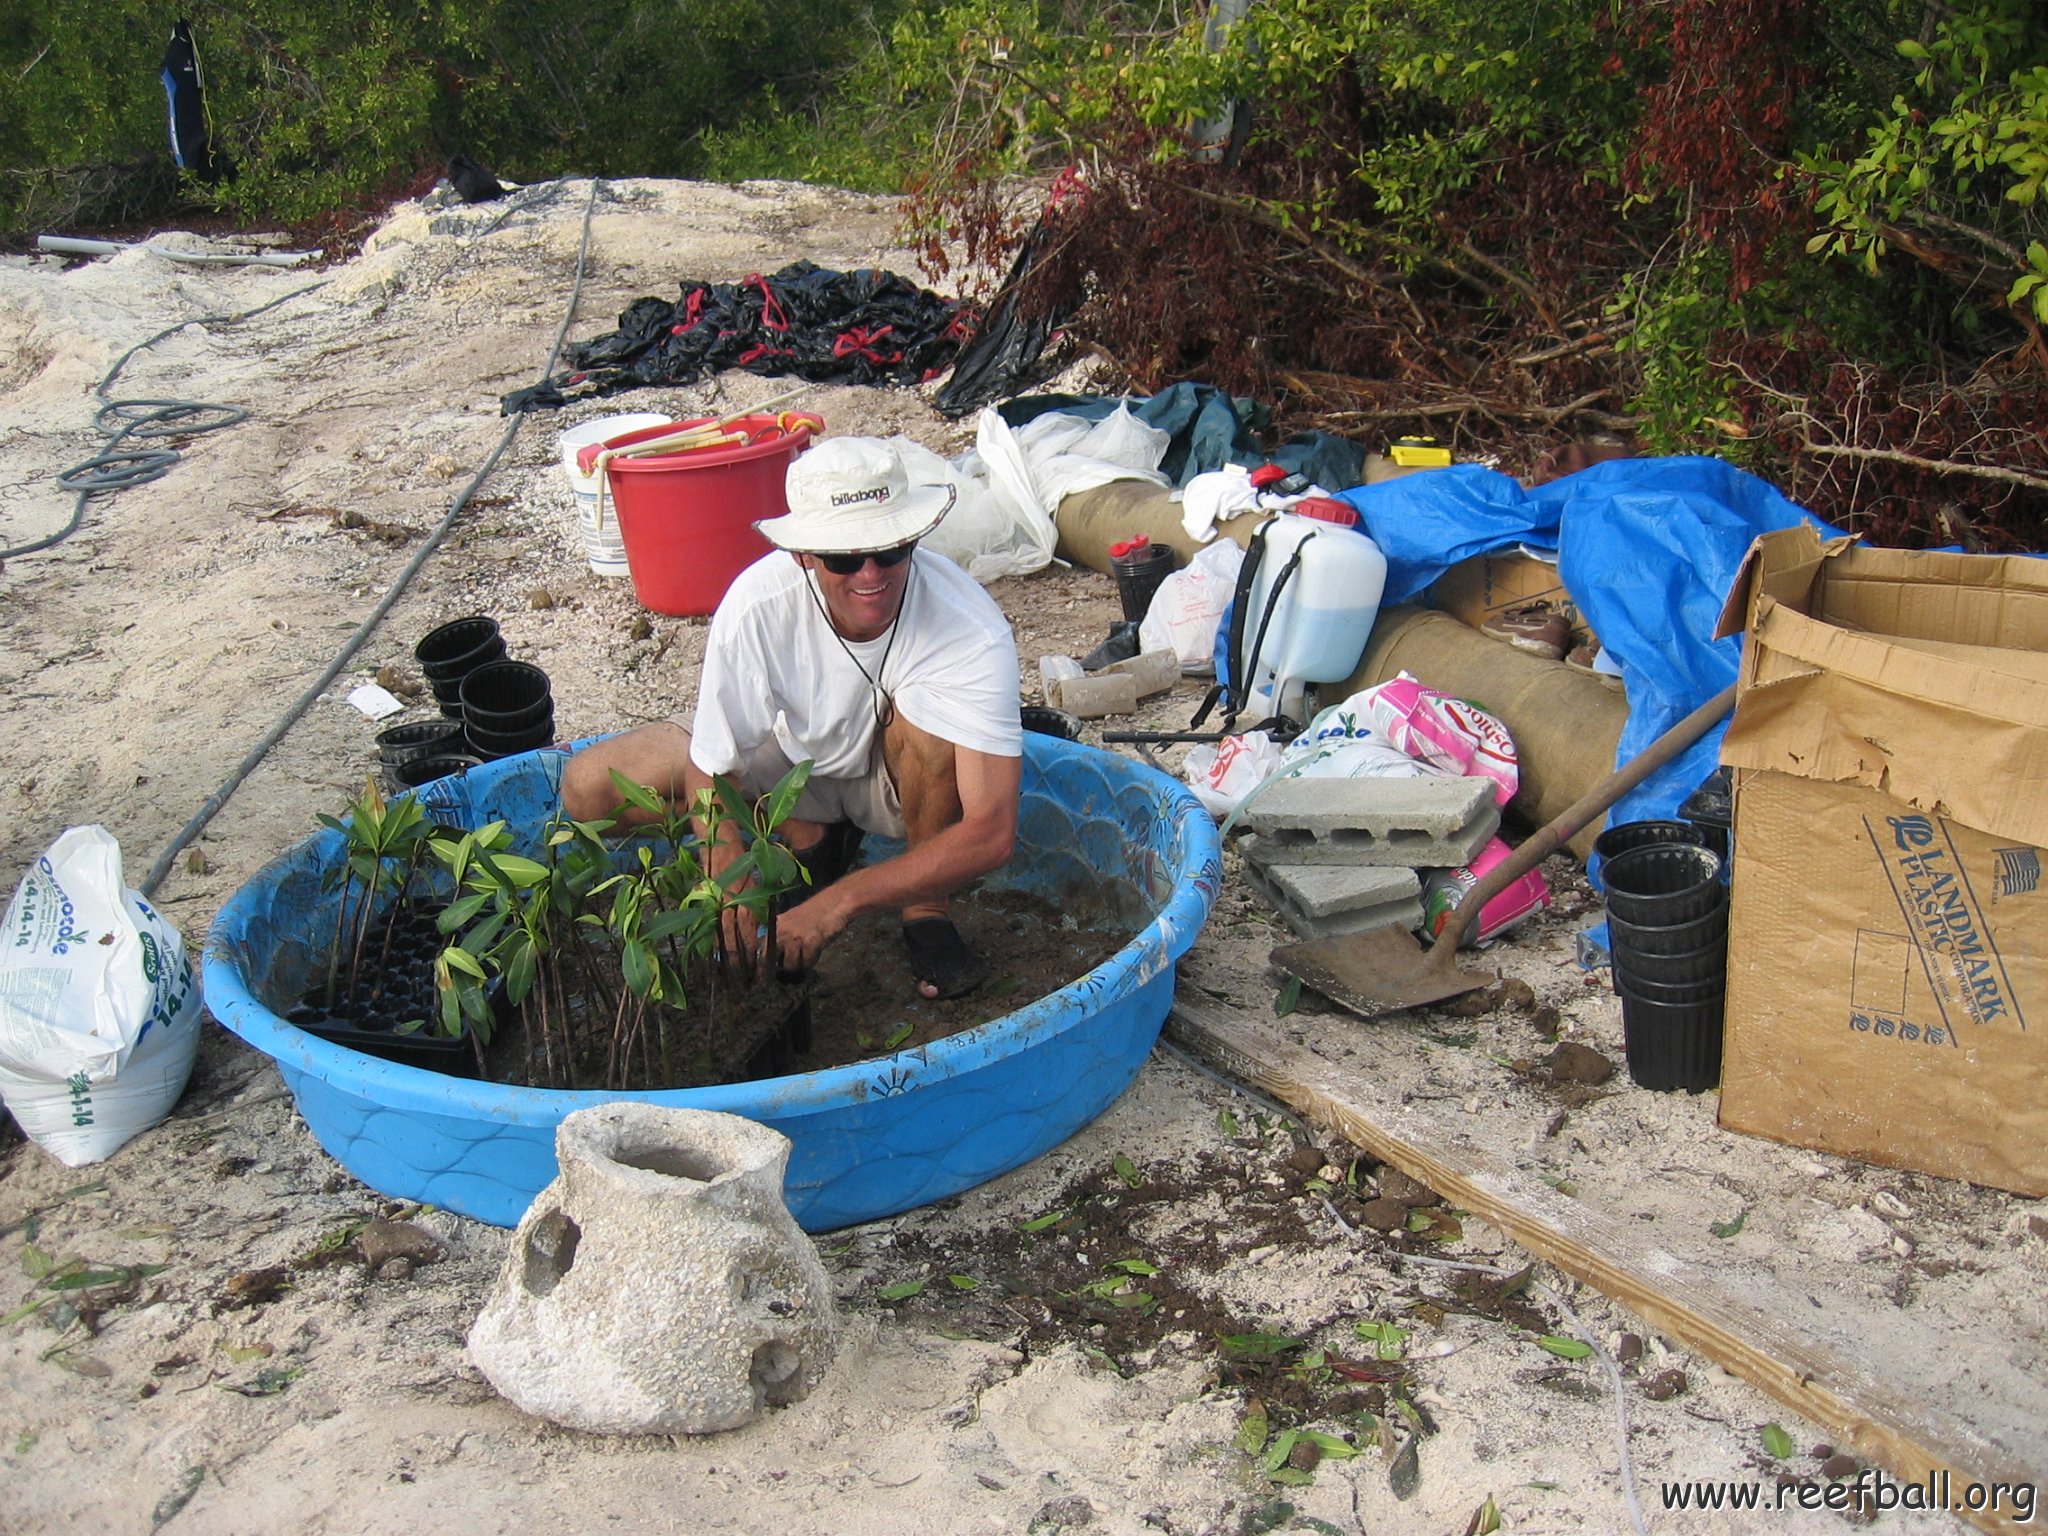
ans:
x=507 y=707
x=414 y=753
x=504 y=706
x=1667 y=936
x=449 y=654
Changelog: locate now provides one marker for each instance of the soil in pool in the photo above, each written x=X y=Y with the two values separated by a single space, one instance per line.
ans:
x=861 y=1002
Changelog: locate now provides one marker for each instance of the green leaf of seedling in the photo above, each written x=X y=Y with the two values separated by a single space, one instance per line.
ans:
x=1776 y=1442
x=903 y=1290
x=1730 y=1227
x=1040 y=1223
x=636 y=966
x=780 y=801
x=1288 y=998
x=1565 y=1349
x=1125 y=1169
x=963 y=1282
x=638 y=796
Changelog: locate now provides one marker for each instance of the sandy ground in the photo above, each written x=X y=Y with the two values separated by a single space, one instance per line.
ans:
x=144 y=657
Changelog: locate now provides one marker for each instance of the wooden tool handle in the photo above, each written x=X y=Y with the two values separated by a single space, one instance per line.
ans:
x=1568 y=822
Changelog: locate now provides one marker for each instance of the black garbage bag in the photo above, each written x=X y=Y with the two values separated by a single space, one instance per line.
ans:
x=472 y=183
x=1033 y=302
x=861 y=327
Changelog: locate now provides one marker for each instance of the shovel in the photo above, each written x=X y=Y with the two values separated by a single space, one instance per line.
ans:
x=1385 y=970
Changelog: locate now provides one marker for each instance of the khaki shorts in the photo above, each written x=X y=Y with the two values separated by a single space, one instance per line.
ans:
x=869 y=802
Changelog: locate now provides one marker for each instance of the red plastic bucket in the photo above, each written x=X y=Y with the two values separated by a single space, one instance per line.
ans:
x=687 y=519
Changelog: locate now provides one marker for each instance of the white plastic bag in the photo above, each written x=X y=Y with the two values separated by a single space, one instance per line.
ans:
x=1189 y=605
x=99 y=1016
x=1222 y=775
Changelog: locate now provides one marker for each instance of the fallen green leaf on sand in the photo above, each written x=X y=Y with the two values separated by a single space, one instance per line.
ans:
x=1777 y=1442
x=1565 y=1349
x=901 y=1291
x=1730 y=1227
x=168 y=1506
x=1251 y=1433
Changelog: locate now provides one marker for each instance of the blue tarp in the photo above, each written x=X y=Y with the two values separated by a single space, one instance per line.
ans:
x=1647 y=549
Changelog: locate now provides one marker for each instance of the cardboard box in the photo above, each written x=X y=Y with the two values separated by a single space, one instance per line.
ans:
x=1888 y=933
x=1474 y=590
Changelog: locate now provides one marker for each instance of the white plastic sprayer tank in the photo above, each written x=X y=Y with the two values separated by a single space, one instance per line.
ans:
x=1326 y=607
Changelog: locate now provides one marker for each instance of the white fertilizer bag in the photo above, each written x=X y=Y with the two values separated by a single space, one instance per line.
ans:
x=99 y=1017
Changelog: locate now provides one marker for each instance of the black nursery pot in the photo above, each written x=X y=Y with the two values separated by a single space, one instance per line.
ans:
x=1628 y=836
x=458 y=647
x=1672 y=1046
x=419 y=738
x=491 y=745
x=1138 y=576
x=506 y=696
x=1675 y=939
x=424 y=770
x=1664 y=884
x=1051 y=722
x=436 y=1053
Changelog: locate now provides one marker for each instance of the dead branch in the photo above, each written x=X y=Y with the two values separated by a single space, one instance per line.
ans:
x=1591 y=341
x=1545 y=415
x=1937 y=466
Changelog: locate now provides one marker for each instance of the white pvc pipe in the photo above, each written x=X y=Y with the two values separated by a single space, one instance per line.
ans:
x=78 y=245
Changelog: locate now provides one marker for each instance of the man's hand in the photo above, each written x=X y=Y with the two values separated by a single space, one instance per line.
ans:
x=802 y=932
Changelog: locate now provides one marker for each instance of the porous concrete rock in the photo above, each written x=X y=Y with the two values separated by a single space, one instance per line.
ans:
x=659 y=1285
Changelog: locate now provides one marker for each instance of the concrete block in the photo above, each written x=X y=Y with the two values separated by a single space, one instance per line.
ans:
x=1435 y=823
x=1321 y=901
x=1093 y=697
x=659 y=1285
x=1156 y=671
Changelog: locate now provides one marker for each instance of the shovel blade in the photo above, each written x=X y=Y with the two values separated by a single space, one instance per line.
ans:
x=1383 y=970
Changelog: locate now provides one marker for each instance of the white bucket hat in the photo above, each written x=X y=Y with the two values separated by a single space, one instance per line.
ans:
x=850 y=495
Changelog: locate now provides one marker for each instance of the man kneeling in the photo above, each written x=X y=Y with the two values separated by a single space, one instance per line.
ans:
x=888 y=669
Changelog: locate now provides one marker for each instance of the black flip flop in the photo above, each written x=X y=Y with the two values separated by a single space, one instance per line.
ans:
x=939 y=955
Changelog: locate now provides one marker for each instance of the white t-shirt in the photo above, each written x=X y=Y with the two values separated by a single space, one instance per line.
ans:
x=774 y=668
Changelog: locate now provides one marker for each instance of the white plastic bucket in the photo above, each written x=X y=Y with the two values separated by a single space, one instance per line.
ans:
x=603 y=545
x=1325 y=610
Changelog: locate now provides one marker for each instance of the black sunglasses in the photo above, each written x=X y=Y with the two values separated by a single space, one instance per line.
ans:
x=849 y=565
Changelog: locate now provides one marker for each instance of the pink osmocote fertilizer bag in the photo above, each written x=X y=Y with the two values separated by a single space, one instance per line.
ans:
x=1449 y=734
